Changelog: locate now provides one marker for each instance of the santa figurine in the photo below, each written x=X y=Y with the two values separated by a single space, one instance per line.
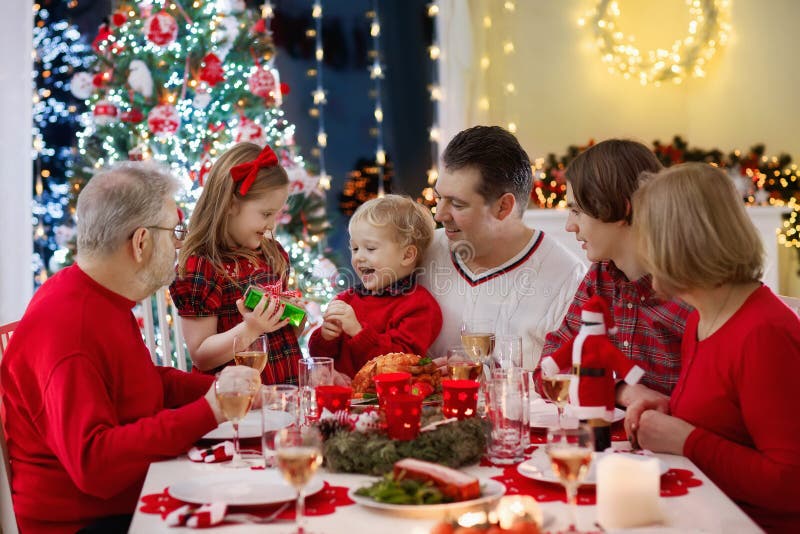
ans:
x=595 y=363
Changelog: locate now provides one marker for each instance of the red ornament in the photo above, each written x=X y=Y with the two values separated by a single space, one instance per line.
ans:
x=119 y=18
x=211 y=70
x=285 y=89
x=163 y=120
x=103 y=33
x=264 y=82
x=161 y=29
x=101 y=78
x=134 y=116
x=104 y=112
x=260 y=26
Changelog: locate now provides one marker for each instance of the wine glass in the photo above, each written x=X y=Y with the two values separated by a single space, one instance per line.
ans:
x=253 y=354
x=556 y=389
x=507 y=353
x=299 y=452
x=312 y=372
x=280 y=404
x=570 y=451
x=235 y=388
x=462 y=365
x=477 y=338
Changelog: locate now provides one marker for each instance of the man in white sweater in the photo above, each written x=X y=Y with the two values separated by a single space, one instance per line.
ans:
x=485 y=263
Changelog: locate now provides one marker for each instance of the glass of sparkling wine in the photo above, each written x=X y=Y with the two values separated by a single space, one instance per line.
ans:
x=461 y=365
x=299 y=452
x=235 y=388
x=556 y=389
x=477 y=338
x=252 y=354
x=570 y=451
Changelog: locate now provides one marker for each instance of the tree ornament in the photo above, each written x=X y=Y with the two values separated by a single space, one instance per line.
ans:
x=119 y=18
x=163 y=120
x=99 y=79
x=202 y=98
x=250 y=131
x=103 y=33
x=136 y=153
x=230 y=6
x=104 y=112
x=161 y=29
x=285 y=89
x=211 y=69
x=81 y=86
x=134 y=116
x=260 y=26
x=265 y=82
x=225 y=35
x=140 y=79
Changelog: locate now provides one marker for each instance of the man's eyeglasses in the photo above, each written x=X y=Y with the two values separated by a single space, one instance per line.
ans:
x=179 y=231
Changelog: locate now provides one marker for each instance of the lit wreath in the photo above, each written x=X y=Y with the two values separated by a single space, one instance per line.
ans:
x=708 y=30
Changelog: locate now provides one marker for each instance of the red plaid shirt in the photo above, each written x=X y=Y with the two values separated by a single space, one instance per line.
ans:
x=649 y=329
x=206 y=292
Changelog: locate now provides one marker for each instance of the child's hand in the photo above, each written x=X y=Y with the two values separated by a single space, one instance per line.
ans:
x=330 y=330
x=341 y=311
x=265 y=317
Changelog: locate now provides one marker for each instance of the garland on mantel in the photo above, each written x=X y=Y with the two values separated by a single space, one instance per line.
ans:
x=761 y=179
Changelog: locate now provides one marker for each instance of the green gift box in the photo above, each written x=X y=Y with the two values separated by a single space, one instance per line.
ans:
x=294 y=313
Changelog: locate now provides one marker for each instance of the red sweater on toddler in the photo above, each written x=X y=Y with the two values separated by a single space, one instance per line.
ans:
x=86 y=411
x=402 y=318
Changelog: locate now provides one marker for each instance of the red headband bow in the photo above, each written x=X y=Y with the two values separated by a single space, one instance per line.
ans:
x=247 y=172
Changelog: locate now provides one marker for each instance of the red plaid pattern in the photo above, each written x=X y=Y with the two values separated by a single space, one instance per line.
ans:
x=205 y=291
x=650 y=329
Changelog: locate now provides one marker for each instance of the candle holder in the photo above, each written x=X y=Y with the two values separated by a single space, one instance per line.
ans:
x=334 y=398
x=460 y=398
x=390 y=384
x=403 y=414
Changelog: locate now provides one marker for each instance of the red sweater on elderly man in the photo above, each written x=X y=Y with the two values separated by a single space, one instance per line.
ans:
x=86 y=410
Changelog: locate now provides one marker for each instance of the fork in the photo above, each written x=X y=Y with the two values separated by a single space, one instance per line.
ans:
x=242 y=517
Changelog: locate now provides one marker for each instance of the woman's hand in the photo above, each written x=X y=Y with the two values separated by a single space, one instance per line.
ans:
x=639 y=398
x=265 y=317
x=660 y=432
x=342 y=312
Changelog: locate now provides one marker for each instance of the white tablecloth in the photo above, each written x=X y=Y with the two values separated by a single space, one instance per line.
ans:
x=704 y=509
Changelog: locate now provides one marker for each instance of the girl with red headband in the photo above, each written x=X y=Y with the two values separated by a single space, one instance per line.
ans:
x=229 y=247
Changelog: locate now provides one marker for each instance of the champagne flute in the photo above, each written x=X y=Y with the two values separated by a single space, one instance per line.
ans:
x=556 y=389
x=299 y=452
x=235 y=388
x=570 y=451
x=477 y=338
x=254 y=354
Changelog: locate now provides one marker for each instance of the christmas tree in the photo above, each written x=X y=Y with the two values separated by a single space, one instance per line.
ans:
x=59 y=51
x=180 y=82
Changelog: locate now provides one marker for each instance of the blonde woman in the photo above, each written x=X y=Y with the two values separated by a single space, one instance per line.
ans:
x=733 y=411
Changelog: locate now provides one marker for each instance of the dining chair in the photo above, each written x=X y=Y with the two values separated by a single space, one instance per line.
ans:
x=162 y=330
x=8 y=521
x=792 y=302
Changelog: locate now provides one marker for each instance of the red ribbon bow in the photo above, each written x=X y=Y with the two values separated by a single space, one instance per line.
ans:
x=247 y=172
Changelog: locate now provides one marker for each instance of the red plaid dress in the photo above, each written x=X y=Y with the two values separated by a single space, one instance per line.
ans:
x=206 y=292
x=650 y=329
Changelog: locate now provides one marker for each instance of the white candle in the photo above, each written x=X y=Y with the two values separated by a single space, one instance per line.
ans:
x=628 y=491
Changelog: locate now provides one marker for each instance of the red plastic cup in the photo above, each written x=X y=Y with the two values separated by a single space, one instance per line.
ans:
x=334 y=398
x=403 y=412
x=460 y=398
x=389 y=384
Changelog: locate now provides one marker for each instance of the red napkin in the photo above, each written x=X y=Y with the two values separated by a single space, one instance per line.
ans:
x=222 y=452
x=193 y=516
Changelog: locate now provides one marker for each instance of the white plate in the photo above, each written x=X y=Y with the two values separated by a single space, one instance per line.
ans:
x=250 y=426
x=545 y=415
x=240 y=487
x=491 y=490
x=539 y=467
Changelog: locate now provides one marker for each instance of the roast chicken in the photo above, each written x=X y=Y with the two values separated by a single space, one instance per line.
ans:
x=396 y=362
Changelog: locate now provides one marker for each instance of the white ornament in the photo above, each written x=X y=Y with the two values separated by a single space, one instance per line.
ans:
x=140 y=79
x=761 y=196
x=250 y=131
x=326 y=269
x=104 y=112
x=230 y=6
x=300 y=181
x=161 y=29
x=266 y=83
x=163 y=120
x=81 y=85
x=225 y=35
x=202 y=98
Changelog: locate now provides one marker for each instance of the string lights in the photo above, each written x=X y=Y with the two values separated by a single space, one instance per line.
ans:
x=708 y=30
x=319 y=95
x=376 y=73
x=509 y=87
x=434 y=51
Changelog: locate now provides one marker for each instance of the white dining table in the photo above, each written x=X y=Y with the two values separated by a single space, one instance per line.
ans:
x=704 y=509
